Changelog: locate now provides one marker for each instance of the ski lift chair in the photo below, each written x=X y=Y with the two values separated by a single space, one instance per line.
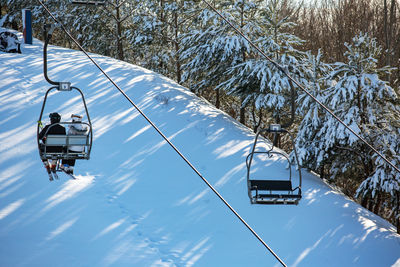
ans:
x=273 y=191
x=56 y=147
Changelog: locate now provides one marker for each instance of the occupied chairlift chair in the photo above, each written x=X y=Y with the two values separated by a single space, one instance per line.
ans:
x=64 y=141
x=276 y=191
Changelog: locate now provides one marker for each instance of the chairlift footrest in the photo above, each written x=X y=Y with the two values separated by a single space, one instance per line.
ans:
x=281 y=196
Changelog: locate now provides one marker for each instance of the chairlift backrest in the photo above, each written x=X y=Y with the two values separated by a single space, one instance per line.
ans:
x=67 y=140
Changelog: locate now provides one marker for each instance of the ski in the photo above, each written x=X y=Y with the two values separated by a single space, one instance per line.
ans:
x=50 y=176
x=54 y=174
x=69 y=174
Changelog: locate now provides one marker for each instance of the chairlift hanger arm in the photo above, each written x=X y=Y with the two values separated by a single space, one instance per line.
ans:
x=84 y=103
x=47 y=31
x=44 y=102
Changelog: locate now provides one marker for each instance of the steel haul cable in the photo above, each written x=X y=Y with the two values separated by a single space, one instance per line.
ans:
x=164 y=137
x=300 y=86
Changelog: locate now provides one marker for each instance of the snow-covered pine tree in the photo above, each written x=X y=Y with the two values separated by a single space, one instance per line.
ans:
x=367 y=104
x=259 y=82
x=89 y=26
x=143 y=35
x=214 y=47
x=117 y=13
x=382 y=187
x=13 y=15
x=102 y=29
x=314 y=71
x=156 y=33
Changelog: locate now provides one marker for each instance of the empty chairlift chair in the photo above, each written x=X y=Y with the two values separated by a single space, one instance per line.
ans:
x=279 y=190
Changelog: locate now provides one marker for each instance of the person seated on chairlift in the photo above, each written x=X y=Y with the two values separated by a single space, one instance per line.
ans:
x=76 y=128
x=53 y=128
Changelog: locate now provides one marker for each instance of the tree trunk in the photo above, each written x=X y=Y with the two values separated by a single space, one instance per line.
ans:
x=242 y=113
x=378 y=203
x=364 y=201
x=388 y=24
x=242 y=108
x=163 y=29
x=322 y=172
x=178 y=63
x=119 y=33
x=217 y=98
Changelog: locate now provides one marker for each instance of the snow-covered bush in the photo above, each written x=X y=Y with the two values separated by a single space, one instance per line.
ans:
x=9 y=42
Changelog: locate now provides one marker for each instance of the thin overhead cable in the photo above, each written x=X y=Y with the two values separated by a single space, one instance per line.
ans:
x=164 y=137
x=300 y=86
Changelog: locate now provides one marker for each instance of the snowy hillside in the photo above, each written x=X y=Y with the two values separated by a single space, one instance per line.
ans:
x=136 y=203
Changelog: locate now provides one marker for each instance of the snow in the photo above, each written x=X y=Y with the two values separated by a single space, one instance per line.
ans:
x=136 y=203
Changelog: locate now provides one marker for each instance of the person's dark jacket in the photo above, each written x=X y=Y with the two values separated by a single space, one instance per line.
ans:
x=52 y=129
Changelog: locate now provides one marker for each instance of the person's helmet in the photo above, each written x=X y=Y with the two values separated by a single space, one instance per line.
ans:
x=55 y=117
x=76 y=118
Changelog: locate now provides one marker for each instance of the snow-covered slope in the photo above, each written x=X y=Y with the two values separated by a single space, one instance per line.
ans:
x=136 y=203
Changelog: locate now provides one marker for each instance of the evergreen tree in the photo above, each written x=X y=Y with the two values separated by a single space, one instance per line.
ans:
x=102 y=28
x=214 y=48
x=359 y=97
x=314 y=71
x=143 y=35
x=257 y=80
x=367 y=104
x=88 y=25
x=156 y=34
x=13 y=18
